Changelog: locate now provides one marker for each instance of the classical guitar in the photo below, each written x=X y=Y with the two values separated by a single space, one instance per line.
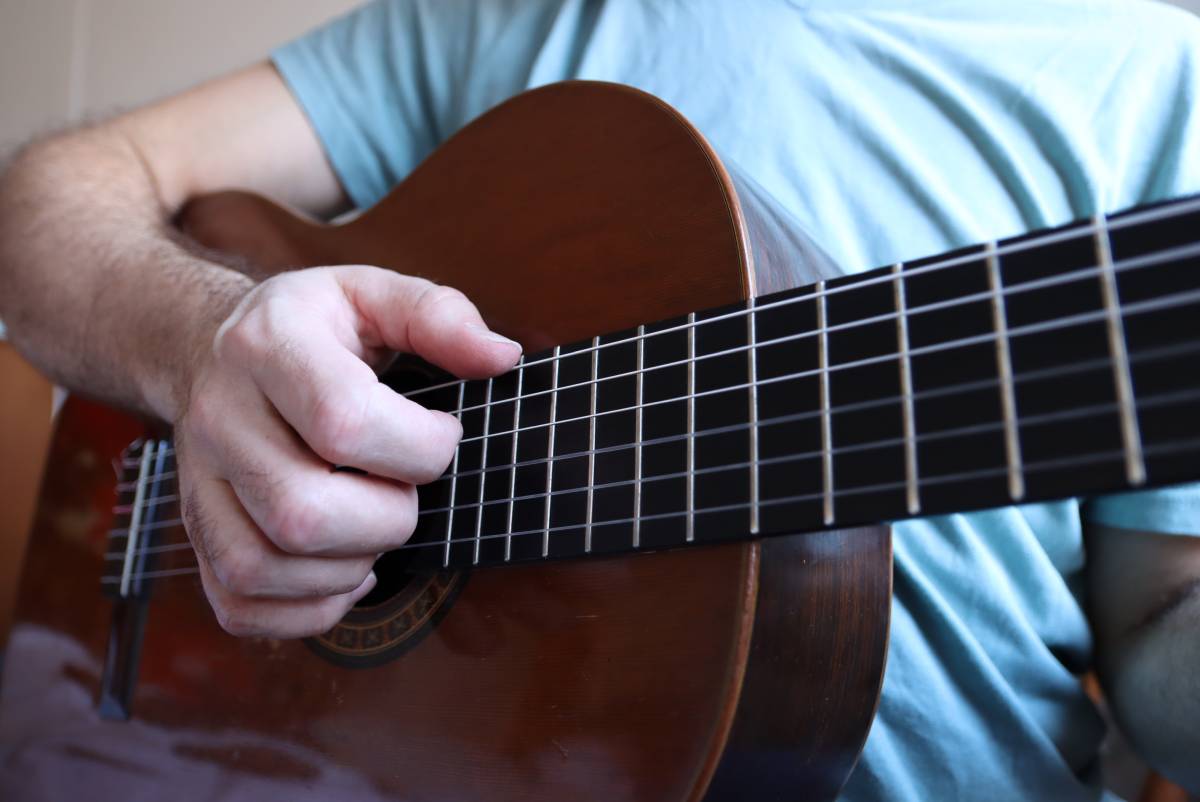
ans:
x=674 y=393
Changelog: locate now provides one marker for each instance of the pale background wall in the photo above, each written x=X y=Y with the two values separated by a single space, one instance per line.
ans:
x=61 y=60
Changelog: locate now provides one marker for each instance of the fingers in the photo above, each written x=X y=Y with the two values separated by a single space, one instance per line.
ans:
x=291 y=495
x=285 y=543
x=307 y=354
x=348 y=417
x=303 y=507
x=247 y=565
x=278 y=618
x=437 y=323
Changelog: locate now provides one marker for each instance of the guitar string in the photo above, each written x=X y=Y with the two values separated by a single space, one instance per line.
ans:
x=1092 y=458
x=1093 y=410
x=1168 y=301
x=1136 y=263
x=1081 y=274
x=1060 y=236
x=1056 y=371
x=1083 y=318
x=1088 y=230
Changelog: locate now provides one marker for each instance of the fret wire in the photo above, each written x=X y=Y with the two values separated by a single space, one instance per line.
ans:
x=1008 y=399
x=752 y=380
x=982 y=473
x=1129 y=310
x=637 y=439
x=826 y=416
x=1092 y=410
x=953 y=389
x=1104 y=363
x=1131 y=436
x=483 y=448
x=892 y=442
x=591 y=468
x=135 y=517
x=512 y=475
x=550 y=450
x=691 y=427
x=912 y=492
x=1138 y=308
x=957 y=476
x=462 y=387
x=1077 y=230
x=1081 y=275
x=1135 y=263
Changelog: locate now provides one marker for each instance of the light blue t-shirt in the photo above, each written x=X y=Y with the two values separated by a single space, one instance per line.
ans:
x=890 y=130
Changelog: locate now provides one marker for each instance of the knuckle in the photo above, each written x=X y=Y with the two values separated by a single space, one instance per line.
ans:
x=296 y=523
x=234 y=621
x=337 y=425
x=240 y=571
x=351 y=573
x=257 y=333
x=237 y=572
x=439 y=294
x=243 y=338
x=344 y=585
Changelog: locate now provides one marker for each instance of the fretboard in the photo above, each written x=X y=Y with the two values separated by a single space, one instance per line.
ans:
x=1052 y=365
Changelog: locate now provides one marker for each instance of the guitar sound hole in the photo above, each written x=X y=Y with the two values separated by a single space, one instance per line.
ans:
x=393 y=577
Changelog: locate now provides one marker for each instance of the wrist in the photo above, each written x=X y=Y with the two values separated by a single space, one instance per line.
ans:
x=207 y=298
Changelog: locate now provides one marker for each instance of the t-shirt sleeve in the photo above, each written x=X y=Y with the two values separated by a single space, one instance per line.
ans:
x=384 y=85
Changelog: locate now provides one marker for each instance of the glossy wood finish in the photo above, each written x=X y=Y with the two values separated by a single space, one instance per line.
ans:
x=571 y=210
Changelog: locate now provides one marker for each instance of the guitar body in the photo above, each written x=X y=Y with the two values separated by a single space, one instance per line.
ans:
x=739 y=671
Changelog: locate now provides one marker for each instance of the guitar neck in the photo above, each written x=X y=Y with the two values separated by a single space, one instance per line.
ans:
x=1041 y=367
x=1052 y=365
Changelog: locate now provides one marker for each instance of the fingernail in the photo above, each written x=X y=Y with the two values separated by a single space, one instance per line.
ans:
x=369 y=583
x=488 y=334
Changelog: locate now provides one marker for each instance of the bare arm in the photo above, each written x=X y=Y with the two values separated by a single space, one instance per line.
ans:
x=93 y=287
x=1144 y=600
x=268 y=386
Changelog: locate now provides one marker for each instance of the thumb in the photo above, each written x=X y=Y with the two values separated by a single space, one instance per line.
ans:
x=435 y=322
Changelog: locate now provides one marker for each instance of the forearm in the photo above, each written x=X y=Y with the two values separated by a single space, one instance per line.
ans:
x=95 y=287
x=1153 y=684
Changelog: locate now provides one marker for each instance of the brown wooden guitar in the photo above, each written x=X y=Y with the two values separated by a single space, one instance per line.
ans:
x=520 y=647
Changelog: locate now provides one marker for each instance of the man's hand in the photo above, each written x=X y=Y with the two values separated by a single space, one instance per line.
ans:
x=269 y=387
x=286 y=393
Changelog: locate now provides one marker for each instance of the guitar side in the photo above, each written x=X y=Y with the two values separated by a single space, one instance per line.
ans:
x=733 y=671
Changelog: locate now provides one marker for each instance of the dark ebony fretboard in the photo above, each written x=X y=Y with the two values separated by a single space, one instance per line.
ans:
x=1056 y=364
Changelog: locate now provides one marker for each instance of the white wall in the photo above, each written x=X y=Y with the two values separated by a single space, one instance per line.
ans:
x=62 y=60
